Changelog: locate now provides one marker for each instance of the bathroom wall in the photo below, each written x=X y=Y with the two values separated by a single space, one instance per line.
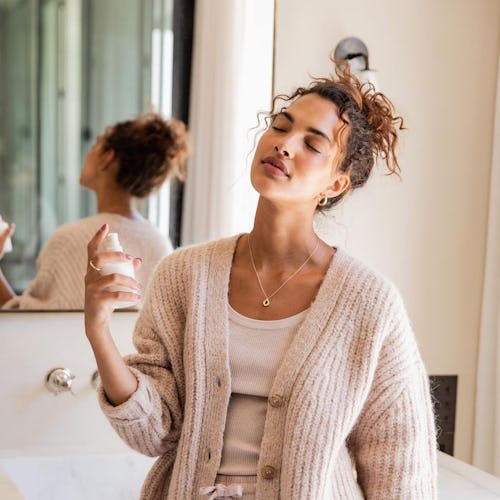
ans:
x=438 y=62
x=34 y=421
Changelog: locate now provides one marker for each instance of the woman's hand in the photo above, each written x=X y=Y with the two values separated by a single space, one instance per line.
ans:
x=99 y=298
x=4 y=236
x=118 y=381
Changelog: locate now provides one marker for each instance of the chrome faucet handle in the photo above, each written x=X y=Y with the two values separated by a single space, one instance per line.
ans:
x=59 y=380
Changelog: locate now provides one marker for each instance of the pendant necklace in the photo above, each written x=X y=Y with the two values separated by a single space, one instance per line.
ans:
x=267 y=298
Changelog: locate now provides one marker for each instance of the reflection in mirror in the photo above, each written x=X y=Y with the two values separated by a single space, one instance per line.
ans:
x=72 y=68
x=130 y=160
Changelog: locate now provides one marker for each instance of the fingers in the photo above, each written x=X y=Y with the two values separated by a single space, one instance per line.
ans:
x=137 y=263
x=99 y=259
x=96 y=240
x=107 y=286
x=103 y=292
x=10 y=230
x=102 y=258
x=4 y=235
x=117 y=279
x=120 y=296
x=109 y=297
x=95 y=274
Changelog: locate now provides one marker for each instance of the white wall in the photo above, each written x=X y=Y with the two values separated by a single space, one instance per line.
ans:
x=34 y=422
x=437 y=61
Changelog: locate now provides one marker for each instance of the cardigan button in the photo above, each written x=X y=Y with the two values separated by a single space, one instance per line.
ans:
x=268 y=472
x=276 y=401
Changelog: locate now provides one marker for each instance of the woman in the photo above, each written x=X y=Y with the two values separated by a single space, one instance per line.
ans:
x=269 y=364
x=131 y=160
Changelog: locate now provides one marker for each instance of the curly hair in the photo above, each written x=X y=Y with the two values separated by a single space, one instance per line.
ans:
x=369 y=128
x=148 y=149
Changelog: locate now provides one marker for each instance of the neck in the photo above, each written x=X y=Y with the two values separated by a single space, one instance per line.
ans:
x=117 y=202
x=282 y=234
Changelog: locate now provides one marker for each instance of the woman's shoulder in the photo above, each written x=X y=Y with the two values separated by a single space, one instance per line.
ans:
x=70 y=236
x=190 y=265
x=88 y=226
x=141 y=237
x=206 y=250
x=373 y=301
x=79 y=229
x=365 y=283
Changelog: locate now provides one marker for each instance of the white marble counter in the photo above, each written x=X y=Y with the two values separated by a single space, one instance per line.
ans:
x=8 y=490
x=460 y=481
x=96 y=477
x=119 y=477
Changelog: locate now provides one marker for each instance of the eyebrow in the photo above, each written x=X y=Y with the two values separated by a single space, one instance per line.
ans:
x=313 y=130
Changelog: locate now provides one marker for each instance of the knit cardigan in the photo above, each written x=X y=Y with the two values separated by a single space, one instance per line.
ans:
x=62 y=263
x=355 y=419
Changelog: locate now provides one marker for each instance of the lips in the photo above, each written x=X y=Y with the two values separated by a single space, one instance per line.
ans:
x=271 y=160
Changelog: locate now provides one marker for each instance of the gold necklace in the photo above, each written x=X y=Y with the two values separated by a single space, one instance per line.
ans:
x=267 y=298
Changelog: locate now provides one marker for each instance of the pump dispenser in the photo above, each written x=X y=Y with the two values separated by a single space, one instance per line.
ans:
x=112 y=244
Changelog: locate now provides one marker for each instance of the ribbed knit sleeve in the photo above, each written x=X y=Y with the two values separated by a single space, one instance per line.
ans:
x=150 y=420
x=393 y=441
x=58 y=283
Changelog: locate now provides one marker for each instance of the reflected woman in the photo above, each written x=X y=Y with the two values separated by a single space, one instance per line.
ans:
x=271 y=365
x=130 y=160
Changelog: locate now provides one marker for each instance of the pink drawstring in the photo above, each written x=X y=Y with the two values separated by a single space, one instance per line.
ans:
x=222 y=491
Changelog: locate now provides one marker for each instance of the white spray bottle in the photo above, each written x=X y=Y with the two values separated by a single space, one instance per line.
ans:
x=8 y=242
x=112 y=244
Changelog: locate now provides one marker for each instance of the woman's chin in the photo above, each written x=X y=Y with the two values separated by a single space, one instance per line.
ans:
x=86 y=185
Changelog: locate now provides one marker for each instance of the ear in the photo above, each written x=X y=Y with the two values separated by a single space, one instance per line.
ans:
x=340 y=184
x=107 y=159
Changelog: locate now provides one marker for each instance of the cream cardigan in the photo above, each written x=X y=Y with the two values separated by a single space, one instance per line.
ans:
x=350 y=395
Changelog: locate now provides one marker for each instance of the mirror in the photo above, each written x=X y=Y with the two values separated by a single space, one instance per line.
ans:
x=70 y=69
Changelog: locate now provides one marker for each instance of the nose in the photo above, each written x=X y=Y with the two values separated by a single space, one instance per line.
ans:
x=282 y=150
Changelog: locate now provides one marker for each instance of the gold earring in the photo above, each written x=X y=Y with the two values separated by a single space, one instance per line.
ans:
x=323 y=201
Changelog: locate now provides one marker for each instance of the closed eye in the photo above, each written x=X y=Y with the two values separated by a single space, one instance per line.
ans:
x=278 y=129
x=312 y=148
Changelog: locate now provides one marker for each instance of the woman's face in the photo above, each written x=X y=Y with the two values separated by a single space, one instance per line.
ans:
x=295 y=157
